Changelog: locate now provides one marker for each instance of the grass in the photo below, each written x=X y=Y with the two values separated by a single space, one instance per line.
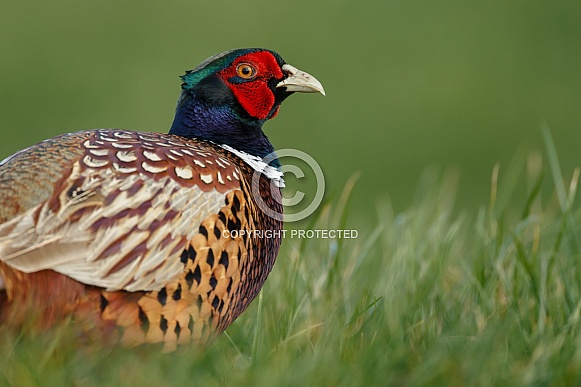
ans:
x=430 y=296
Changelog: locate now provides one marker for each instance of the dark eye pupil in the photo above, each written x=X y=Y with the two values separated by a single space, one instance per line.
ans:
x=246 y=70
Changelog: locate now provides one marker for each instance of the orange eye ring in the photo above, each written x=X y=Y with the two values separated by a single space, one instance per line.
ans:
x=246 y=71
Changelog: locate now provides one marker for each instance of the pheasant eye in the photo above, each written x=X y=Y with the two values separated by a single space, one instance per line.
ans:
x=245 y=71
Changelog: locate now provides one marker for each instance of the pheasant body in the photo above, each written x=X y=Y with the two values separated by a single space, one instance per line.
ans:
x=144 y=235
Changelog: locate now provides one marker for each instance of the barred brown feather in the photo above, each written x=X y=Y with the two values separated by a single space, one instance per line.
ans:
x=143 y=213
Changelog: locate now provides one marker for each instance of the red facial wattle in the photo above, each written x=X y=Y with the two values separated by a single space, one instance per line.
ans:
x=254 y=95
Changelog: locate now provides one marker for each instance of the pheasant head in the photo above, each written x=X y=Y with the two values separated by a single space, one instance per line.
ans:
x=228 y=97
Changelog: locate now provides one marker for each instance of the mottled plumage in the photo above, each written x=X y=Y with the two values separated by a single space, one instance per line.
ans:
x=149 y=237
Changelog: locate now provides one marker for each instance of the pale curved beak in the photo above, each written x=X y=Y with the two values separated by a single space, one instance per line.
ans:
x=300 y=81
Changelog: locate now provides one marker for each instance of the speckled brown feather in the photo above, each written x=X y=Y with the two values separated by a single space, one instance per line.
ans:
x=154 y=212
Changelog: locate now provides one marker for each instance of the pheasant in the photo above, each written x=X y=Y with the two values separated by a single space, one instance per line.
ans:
x=148 y=237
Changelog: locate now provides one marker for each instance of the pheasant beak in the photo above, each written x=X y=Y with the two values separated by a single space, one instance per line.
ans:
x=300 y=81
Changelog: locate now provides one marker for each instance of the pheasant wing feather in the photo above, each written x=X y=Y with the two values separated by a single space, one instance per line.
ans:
x=122 y=214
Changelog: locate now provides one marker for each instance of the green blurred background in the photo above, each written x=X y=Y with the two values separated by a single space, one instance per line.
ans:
x=410 y=84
